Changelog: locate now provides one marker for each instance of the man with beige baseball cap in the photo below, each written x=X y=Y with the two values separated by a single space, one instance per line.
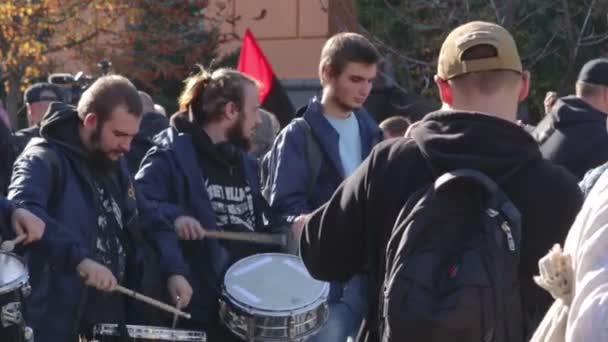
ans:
x=481 y=81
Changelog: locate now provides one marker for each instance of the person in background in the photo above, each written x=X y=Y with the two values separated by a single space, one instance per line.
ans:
x=37 y=99
x=264 y=134
x=550 y=100
x=160 y=109
x=151 y=124
x=394 y=127
x=315 y=153
x=574 y=133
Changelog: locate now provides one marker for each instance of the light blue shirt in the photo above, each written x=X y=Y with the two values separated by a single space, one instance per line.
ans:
x=349 y=142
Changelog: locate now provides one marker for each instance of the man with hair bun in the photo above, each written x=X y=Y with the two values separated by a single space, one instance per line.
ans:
x=201 y=178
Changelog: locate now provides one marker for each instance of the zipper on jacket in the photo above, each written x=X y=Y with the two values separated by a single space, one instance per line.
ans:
x=507 y=230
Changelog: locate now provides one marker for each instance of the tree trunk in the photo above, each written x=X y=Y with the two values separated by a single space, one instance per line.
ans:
x=12 y=99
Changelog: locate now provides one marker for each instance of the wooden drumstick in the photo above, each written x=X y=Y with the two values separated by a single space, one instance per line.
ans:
x=152 y=301
x=269 y=239
x=9 y=245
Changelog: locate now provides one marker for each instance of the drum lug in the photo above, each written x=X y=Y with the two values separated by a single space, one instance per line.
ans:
x=250 y=328
x=223 y=310
x=11 y=314
x=28 y=334
x=291 y=327
x=26 y=290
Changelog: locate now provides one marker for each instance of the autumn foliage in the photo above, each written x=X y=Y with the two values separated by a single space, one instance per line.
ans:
x=147 y=40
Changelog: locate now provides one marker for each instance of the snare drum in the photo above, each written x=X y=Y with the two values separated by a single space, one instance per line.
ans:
x=272 y=297
x=111 y=333
x=14 y=288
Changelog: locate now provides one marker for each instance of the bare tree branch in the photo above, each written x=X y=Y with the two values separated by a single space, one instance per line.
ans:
x=583 y=28
x=493 y=5
x=594 y=41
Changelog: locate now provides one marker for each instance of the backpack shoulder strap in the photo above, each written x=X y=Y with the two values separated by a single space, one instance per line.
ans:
x=313 y=156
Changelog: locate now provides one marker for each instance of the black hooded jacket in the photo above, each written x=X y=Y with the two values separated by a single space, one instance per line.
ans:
x=579 y=138
x=361 y=213
x=151 y=124
x=55 y=179
x=227 y=185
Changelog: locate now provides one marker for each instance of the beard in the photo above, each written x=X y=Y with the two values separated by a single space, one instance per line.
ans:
x=97 y=157
x=236 y=136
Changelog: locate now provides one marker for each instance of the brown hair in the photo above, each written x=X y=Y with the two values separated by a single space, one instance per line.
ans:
x=107 y=93
x=484 y=82
x=344 y=48
x=206 y=94
x=395 y=125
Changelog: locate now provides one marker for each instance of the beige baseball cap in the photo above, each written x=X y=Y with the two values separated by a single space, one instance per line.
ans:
x=464 y=37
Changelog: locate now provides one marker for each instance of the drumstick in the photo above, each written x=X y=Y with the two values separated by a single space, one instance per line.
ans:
x=269 y=239
x=151 y=301
x=9 y=245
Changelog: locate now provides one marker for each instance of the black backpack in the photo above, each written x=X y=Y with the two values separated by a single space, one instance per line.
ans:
x=452 y=265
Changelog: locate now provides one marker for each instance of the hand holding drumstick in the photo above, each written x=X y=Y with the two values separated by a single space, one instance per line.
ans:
x=188 y=228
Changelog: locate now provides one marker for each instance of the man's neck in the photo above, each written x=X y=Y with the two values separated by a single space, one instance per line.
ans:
x=595 y=104
x=85 y=138
x=215 y=133
x=498 y=109
x=331 y=108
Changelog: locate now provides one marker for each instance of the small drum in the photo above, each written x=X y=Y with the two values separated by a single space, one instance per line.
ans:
x=111 y=332
x=272 y=297
x=14 y=288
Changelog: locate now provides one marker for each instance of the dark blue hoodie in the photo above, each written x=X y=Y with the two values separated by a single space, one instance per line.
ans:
x=53 y=178
x=174 y=176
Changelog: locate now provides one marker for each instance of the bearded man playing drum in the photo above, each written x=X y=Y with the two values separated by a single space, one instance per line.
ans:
x=75 y=179
x=201 y=178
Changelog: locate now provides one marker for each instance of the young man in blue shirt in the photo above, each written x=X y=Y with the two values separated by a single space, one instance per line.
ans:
x=344 y=134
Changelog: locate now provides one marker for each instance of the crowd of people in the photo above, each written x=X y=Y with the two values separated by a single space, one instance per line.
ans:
x=426 y=231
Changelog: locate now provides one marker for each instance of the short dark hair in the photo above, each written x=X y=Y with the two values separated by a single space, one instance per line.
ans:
x=346 y=47
x=107 y=93
x=207 y=93
x=395 y=125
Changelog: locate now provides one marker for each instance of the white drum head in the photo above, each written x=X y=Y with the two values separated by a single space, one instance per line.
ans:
x=13 y=272
x=273 y=282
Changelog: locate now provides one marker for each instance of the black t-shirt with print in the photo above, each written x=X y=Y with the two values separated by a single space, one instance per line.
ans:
x=231 y=196
x=103 y=307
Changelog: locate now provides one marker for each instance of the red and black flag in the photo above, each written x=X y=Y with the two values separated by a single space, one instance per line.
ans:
x=272 y=95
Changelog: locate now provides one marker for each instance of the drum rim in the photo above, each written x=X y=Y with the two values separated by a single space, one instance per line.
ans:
x=20 y=281
x=111 y=327
x=276 y=313
x=322 y=296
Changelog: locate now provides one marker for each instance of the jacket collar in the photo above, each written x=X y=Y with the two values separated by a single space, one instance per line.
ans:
x=328 y=138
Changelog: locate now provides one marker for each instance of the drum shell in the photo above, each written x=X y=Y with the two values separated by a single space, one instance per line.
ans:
x=252 y=324
x=256 y=324
x=109 y=333
x=12 y=298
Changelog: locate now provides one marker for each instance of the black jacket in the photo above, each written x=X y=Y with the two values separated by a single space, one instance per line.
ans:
x=360 y=215
x=23 y=136
x=151 y=124
x=579 y=138
x=7 y=157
